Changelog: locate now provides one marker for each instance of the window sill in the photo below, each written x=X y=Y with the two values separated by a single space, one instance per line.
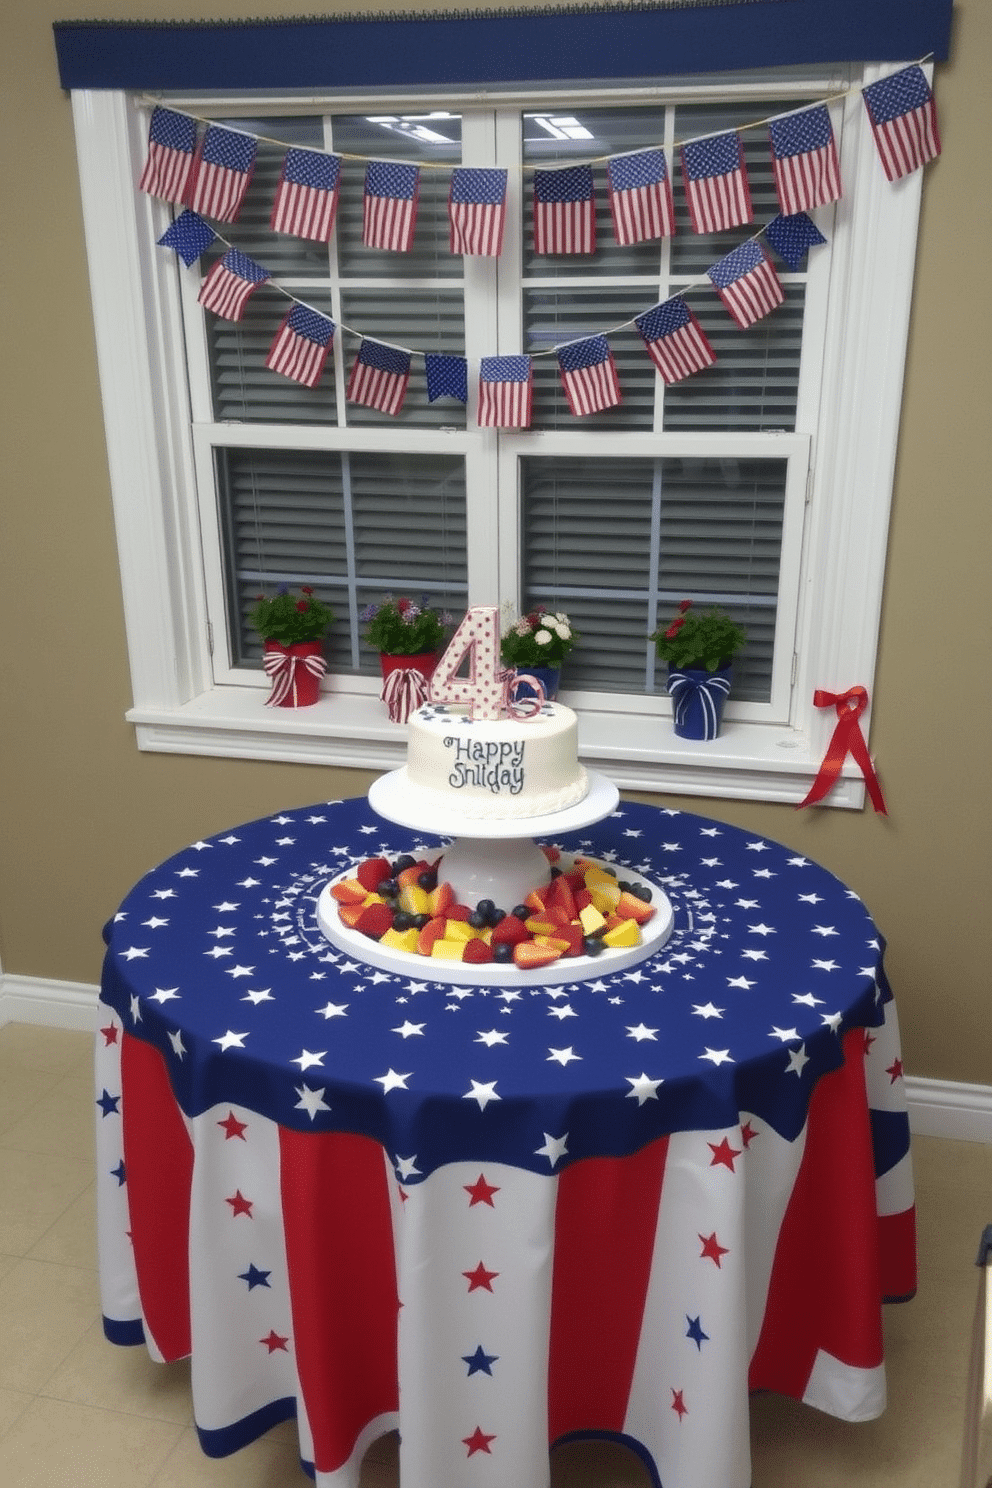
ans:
x=748 y=761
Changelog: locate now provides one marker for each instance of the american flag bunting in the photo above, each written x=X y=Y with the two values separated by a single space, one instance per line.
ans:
x=640 y=197
x=189 y=235
x=301 y=346
x=447 y=377
x=715 y=181
x=747 y=284
x=379 y=377
x=306 y=199
x=793 y=237
x=477 y=212
x=389 y=209
x=675 y=340
x=589 y=375
x=505 y=392
x=903 y=118
x=171 y=149
x=804 y=160
x=231 y=283
x=221 y=173
x=564 y=211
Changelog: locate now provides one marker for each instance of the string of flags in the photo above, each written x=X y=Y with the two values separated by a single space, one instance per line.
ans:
x=208 y=173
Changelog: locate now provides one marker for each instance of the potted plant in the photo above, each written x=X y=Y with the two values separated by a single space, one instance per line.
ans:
x=699 y=646
x=292 y=628
x=536 y=644
x=409 y=638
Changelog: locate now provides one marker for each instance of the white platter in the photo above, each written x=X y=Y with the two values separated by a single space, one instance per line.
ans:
x=393 y=797
x=654 y=935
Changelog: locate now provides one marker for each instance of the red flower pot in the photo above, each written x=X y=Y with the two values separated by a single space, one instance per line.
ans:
x=295 y=672
x=404 y=682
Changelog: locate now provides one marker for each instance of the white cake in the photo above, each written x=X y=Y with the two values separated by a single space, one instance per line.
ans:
x=495 y=769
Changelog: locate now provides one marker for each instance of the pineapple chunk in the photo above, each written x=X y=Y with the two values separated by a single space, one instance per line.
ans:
x=591 y=920
x=401 y=940
x=627 y=933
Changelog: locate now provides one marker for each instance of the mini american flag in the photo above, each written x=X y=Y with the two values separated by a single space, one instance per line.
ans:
x=222 y=172
x=379 y=377
x=793 y=237
x=447 y=377
x=804 y=159
x=505 y=392
x=904 y=121
x=564 y=211
x=715 y=181
x=477 y=212
x=389 y=212
x=589 y=375
x=189 y=235
x=747 y=283
x=675 y=340
x=302 y=343
x=640 y=197
x=231 y=283
x=307 y=195
x=171 y=147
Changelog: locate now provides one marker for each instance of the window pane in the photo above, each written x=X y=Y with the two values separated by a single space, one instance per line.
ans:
x=432 y=140
x=355 y=526
x=430 y=320
x=556 y=316
x=618 y=543
x=280 y=253
x=243 y=387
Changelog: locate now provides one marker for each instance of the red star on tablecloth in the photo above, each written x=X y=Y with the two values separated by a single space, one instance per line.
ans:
x=678 y=1404
x=478 y=1441
x=481 y=1192
x=239 y=1204
x=233 y=1127
x=275 y=1341
x=480 y=1277
x=712 y=1248
x=723 y=1153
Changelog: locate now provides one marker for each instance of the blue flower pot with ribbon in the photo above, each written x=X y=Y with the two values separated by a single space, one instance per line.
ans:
x=698 y=697
x=549 y=677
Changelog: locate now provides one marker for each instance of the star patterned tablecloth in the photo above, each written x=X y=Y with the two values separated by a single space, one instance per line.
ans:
x=610 y=1206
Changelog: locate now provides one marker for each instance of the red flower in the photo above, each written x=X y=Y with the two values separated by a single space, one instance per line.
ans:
x=685 y=605
x=306 y=588
x=302 y=606
x=673 y=629
x=402 y=605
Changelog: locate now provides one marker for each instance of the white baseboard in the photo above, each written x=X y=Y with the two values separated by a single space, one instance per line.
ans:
x=937 y=1108
x=53 y=1004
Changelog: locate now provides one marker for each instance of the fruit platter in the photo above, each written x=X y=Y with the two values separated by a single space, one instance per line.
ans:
x=580 y=918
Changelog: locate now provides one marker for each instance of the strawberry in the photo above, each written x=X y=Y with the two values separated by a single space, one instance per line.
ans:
x=510 y=931
x=410 y=875
x=537 y=898
x=441 y=899
x=458 y=912
x=528 y=954
x=477 y=953
x=350 y=914
x=560 y=897
x=374 y=920
x=371 y=873
x=553 y=854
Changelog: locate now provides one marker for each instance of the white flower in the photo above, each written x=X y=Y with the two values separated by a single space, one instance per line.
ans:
x=562 y=618
x=542 y=637
x=565 y=632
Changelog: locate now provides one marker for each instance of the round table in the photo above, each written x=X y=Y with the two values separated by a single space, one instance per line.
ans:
x=502 y=1217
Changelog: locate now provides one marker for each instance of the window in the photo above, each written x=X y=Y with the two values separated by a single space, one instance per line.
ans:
x=761 y=484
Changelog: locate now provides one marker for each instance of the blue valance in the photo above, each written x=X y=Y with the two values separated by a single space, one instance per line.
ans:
x=504 y=46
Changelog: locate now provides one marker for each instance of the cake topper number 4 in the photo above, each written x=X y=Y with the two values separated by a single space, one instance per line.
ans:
x=484 y=690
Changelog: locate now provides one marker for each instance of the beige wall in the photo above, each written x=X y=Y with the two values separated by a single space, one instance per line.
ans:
x=84 y=813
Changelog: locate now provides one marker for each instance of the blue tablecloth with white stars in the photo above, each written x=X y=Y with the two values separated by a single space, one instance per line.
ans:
x=217 y=959
x=500 y=1217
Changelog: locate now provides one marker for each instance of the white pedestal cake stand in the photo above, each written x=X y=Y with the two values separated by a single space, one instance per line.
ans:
x=497 y=860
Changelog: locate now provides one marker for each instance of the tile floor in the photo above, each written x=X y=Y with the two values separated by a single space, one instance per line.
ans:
x=76 y=1412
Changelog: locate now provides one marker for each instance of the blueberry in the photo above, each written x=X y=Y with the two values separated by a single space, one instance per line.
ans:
x=555 y=872
x=592 y=945
x=428 y=880
x=522 y=912
x=403 y=863
x=642 y=891
x=485 y=908
x=388 y=888
x=502 y=951
x=497 y=915
x=419 y=921
x=402 y=920
x=477 y=921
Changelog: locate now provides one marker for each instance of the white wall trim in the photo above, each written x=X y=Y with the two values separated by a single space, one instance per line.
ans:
x=54 y=1004
x=937 y=1108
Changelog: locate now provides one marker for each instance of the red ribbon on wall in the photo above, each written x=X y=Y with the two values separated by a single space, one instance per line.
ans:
x=847 y=739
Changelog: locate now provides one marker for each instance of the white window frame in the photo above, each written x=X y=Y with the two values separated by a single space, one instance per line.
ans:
x=177 y=707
